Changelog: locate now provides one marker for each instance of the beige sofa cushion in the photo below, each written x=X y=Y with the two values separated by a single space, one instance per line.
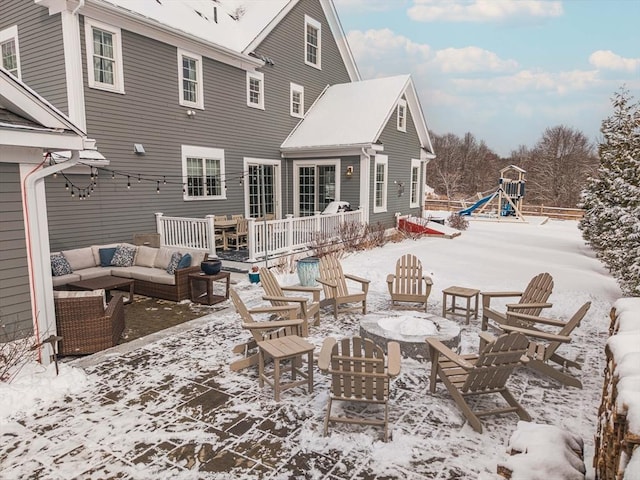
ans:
x=163 y=257
x=64 y=279
x=80 y=258
x=81 y=294
x=146 y=256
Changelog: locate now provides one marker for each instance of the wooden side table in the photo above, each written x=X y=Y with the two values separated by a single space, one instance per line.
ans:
x=291 y=347
x=454 y=309
x=202 y=289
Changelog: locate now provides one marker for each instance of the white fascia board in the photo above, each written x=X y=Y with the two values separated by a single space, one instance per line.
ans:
x=47 y=140
x=417 y=116
x=392 y=110
x=149 y=28
x=332 y=150
x=267 y=30
x=341 y=39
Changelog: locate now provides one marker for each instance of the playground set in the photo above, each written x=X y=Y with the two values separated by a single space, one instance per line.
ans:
x=503 y=203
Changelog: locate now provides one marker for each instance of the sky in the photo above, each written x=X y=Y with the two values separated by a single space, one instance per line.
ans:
x=503 y=70
x=113 y=408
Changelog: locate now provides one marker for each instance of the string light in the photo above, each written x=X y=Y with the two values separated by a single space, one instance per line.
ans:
x=85 y=191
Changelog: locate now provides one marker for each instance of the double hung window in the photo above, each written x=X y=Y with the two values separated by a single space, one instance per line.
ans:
x=10 y=51
x=203 y=173
x=255 y=90
x=312 y=42
x=402 y=115
x=190 y=70
x=380 y=184
x=414 y=184
x=297 y=100
x=104 y=56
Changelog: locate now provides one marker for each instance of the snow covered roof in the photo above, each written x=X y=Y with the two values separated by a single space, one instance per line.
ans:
x=233 y=24
x=354 y=114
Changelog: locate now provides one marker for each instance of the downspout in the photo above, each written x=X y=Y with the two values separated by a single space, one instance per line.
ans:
x=365 y=175
x=80 y=5
x=38 y=252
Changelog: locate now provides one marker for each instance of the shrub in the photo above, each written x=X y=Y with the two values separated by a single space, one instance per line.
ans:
x=458 y=222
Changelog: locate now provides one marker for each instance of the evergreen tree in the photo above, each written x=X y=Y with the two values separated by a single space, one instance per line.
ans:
x=611 y=224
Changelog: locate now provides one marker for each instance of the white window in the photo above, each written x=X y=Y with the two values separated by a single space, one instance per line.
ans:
x=255 y=90
x=297 y=100
x=414 y=184
x=10 y=51
x=203 y=173
x=104 y=56
x=312 y=42
x=190 y=74
x=402 y=115
x=380 y=184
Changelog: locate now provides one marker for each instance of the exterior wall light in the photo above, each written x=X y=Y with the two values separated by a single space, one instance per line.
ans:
x=349 y=171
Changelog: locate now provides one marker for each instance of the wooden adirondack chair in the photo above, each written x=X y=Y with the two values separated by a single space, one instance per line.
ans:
x=307 y=308
x=261 y=330
x=482 y=374
x=409 y=284
x=336 y=292
x=543 y=345
x=532 y=300
x=359 y=374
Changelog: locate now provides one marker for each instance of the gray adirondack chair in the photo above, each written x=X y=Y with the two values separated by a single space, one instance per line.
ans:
x=409 y=284
x=336 y=290
x=359 y=373
x=483 y=374
x=532 y=300
x=543 y=345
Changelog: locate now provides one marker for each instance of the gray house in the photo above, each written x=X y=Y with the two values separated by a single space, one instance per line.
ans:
x=204 y=107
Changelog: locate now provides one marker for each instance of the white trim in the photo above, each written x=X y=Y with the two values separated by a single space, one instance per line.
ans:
x=294 y=87
x=260 y=77
x=340 y=38
x=6 y=35
x=199 y=103
x=415 y=163
x=276 y=187
x=73 y=68
x=192 y=151
x=313 y=163
x=272 y=24
x=318 y=26
x=365 y=183
x=381 y=160
x=401 y=120
x=118 y=74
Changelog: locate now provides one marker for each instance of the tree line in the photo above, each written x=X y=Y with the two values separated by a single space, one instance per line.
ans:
x=557 y=166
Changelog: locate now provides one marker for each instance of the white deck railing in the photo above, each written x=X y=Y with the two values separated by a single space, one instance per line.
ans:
x=265 y=238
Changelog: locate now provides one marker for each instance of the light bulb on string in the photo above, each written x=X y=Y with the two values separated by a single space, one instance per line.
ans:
x=138 y=178
x=66 y=185
x=55 y=174
x=128 y=182
x=72 y=194
x=158 y=186
x=164 y=180
x=113 y=175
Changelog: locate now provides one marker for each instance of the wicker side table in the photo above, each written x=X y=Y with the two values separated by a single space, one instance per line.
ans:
x=465 y=311
x=202 y=289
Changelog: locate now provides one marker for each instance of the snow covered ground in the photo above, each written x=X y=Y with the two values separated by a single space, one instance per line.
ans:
x=105 y=407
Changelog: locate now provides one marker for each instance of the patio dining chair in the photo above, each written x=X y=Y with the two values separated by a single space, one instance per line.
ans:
x=262 y=330
x=238 y=237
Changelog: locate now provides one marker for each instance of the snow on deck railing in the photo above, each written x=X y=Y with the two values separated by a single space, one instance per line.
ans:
x=265 y=238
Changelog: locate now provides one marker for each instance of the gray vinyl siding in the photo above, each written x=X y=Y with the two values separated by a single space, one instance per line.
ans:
x=41 y=48
x=400 y=147
x=149 y=113
x=15 y=302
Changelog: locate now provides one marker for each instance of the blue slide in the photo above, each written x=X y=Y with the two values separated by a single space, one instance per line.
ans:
x=479 y=203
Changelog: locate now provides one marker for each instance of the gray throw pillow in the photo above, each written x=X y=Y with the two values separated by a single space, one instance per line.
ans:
x=173 y=263
x=60 y=265
x=124 y=256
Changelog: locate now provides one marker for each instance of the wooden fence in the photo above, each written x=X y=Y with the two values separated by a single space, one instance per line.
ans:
x=559 y=213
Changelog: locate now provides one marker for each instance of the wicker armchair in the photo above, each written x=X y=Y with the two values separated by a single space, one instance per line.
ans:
x=85 y=324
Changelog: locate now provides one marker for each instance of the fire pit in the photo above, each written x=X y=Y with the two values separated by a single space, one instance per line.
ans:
x=409 y=329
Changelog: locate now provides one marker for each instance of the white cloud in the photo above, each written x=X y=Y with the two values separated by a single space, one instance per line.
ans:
x=527 y=81
x=366 y=5
x=471 y=59
x=384 y=44
x=607 y=60
x=482 y=10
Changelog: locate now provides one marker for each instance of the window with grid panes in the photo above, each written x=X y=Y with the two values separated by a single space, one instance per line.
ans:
x=255 y=87
x=261 y=190
x=312 y=42
x=380 y=184
x=104 y=56
x=414 y=184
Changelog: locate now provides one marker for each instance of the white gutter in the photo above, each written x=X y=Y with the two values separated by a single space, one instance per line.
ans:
x=38 y=252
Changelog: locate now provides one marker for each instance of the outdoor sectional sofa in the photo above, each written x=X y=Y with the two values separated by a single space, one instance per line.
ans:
x=147 y=266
